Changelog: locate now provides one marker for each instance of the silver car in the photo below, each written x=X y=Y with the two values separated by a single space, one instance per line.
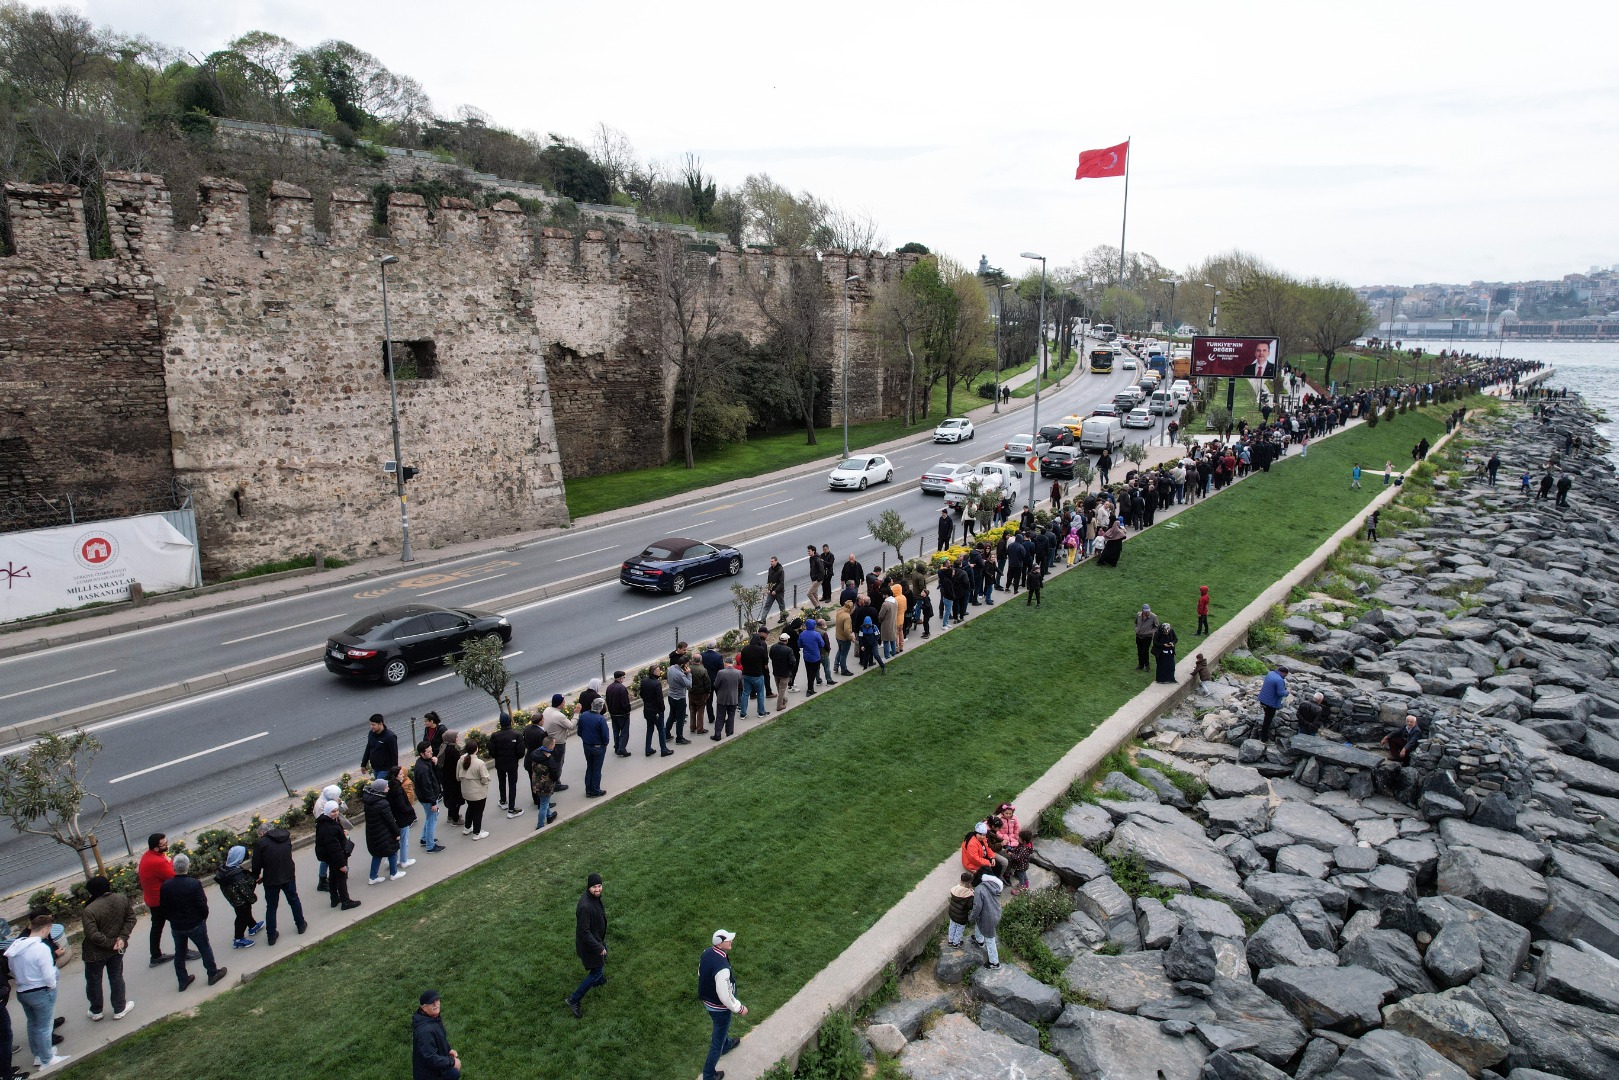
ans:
x=947 y=477
x=1019 y=447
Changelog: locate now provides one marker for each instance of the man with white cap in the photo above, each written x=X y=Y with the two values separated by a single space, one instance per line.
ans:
x=716 y=989
x=1146 y=627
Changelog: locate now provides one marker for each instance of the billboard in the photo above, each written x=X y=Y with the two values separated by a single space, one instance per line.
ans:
x=51 y=569
x=1235 y=357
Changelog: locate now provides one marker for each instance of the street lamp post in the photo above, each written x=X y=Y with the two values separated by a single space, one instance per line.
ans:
x=850 y=280
x=1040 y=368
x=405 y=554
x=1214 y=328
x=1000 y=321
x=1172 y=283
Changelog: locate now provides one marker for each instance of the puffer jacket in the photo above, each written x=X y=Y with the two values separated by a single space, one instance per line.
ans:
x=381 y=830
x=236 y=886
x=106 y=919
x=986 y=912
x=474 y=777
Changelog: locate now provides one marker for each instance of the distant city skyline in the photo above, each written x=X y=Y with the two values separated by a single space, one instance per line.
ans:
x=1387 y=142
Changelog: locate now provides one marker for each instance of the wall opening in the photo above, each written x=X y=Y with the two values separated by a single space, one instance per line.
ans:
x=412 y=360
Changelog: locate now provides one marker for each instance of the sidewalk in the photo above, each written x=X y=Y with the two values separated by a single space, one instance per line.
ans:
x=153 y=988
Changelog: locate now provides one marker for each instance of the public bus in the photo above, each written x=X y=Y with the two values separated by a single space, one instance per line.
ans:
x=1102 y=361
x=1104 y=332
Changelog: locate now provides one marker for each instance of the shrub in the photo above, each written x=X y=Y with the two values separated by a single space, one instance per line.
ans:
x=64 y=907
x=1371 y=419
x=212 y=847
x=1129 y=872
x=1193 y=788
x=1025 y=918
x=836 y=1053
x=1251 y=666
x=1049 y=823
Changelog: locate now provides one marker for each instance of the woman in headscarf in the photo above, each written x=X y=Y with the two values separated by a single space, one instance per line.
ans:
x=449 y=756
x=1112 y=545
x=332 y=848
x=1163 y=647
x=592 y=691
x=236 y=886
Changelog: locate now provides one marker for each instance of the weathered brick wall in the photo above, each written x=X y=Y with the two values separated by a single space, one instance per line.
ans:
x=82 y=399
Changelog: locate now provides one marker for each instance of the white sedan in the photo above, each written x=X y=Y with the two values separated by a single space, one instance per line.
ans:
x=859 y=471
x=954 y=430
x=1129 y=363
x=1138 y=418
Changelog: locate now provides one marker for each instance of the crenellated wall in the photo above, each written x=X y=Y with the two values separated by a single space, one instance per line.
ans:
x=250 y=367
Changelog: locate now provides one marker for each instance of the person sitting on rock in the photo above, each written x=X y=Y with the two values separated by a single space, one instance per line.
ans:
x=1311 y=713
x=1402 y=740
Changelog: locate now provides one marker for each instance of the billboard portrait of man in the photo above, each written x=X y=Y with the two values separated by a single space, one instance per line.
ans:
x=1260 y=366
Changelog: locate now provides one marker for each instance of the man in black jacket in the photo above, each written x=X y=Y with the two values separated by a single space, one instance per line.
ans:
x=652 y=710
x=775 y=590
x=755 y=682
x=381 y=749
x=186 y=905
x=430 y=1055
x=947 y=528
x=618 y=713
x=853 y=572
x=274 y=869
x=784 y=666
x=429 y=792
x=506 y=748
x=589 y=940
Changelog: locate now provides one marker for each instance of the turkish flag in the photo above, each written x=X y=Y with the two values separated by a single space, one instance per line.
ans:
x=1109 y=161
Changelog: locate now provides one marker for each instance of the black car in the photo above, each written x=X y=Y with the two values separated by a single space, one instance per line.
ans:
x=1053 y=435
x=670 y=564
x=1058 y=462
x=388 y=644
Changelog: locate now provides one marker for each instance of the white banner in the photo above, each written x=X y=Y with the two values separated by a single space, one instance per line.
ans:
x=47 y=570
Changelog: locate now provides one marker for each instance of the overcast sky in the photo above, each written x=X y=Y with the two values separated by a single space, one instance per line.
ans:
x=1373 y=142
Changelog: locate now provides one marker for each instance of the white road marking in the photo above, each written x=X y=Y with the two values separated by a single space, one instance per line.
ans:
x=451 y=674
x=582 y=554
x=650 y=610
x=458 y=584
x=52 y=686
x=188 y=757
x=295 y=626
x=767 y=506
x=695 y=524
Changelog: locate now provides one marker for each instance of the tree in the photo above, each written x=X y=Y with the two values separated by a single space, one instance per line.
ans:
x=776 y=218
x=889 y=528
x=900 y=313
x=747 y=600
x=849 y=230
x=1334 y=316
x=912 y=248
x=613 y=153
x=573 y=173
x=795 y=309
x=50 y=54
x=1269 y=303
x=700 y=190
x=43 y=792
x=1084 y=473
x=1135 y=453
x=1218 y=419
x=696 y=307
x=480 y=666
x=1123 y=308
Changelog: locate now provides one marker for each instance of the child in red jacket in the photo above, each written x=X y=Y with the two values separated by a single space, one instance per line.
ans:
x=1203 y=609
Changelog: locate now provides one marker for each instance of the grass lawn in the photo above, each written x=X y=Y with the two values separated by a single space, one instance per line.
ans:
x=1369 y=369
x=798 y=836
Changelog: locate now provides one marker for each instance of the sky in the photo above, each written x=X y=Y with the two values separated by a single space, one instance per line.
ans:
x=1372 y=143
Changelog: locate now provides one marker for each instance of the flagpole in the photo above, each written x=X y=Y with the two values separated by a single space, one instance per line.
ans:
x=1124 y=219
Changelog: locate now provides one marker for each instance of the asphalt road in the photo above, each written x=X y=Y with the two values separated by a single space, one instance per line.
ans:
x=182 y=764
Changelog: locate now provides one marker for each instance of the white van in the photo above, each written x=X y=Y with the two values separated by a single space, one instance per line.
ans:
x=1161 y=403
x=1182 y=391
x=1104 y=332
x=1101 y=433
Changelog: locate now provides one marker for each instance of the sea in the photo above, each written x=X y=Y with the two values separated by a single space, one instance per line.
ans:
x=1589 y=368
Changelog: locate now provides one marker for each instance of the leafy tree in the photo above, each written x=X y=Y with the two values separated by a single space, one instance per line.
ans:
x=901 y=317
x=480 y=666
x=50 y=55
x=1123 y=308
x=793 y=305
x=43 y=792
x=1084 y=473
x=700 y=190
x=573 y=173
x=912 y=248
x=1334 y=316
x=1269 y=303
x=1135 y=453
x=747 y=599
x=696 y=307
x=776 y=218
x=1218 y=418
x=889 y=528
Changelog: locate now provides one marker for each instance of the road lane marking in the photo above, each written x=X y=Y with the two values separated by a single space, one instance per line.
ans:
x=582 y=554
x=283 y=629
x=188 y=757
x=54 y=685
x=767 y=506
x=695 y=524
x=451 y=674
x=459 y=584
x=795 y=562
x=650 y=610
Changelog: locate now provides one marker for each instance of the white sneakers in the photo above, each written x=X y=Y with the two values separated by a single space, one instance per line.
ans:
x=121 y=1013
x=56 y=1059
x=408 y=862
x=480 y=836
x=396 y=877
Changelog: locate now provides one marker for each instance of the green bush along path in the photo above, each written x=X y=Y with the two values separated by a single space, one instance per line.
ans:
x=798 y=836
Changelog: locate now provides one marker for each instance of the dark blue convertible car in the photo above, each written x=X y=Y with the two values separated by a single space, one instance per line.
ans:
x=670 y=564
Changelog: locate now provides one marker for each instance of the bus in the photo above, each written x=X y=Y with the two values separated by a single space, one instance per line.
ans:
x=1104 y=332
x=1102 y=361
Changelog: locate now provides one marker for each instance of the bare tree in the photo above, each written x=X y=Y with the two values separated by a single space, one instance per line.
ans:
x=696 y=307
x=612 y=150
x=779 y=219
x=850 y=230
x=794 y=305
x=1334 y=316
x=901 y=316
x=700 y=189
x=50 y=53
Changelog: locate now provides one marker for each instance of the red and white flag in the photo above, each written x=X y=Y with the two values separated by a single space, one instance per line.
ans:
x=1108 y=161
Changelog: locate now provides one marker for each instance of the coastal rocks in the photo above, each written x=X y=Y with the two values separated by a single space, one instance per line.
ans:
x=958 y=1049
x=1389 y=1055
x=1279 y=943
x=1555 y=1036
x=1016 y=991
x=1311 y=825
x=1111 y=908
x=1389 y=953
x=1190 y=958
x=1346 y=999
x=1501 y=885
x=1091 y=824
x=1579 y=977
x=1226 y=780
x=1211 y=917
x=1454 y=957
x=1075 y=865
x=1193 y=857
x=1463 y=1032
x=1264 y=1025
x=907 y=1014
x=1124 y=983
x=1107 y=1044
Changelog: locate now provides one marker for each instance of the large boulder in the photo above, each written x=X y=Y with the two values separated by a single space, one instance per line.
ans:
x=1465 y=1033
x=1157 y=924
x=1307 y=861
x=1271 y=893
x=1213 y=917
x=1190 y=958
x=1311 y=825
x=1191 y=855
x=958 y=1049
x=1567 y=1040
x=1574 y=913
x=1279 y=943
x=1004 y=1023
x=1584 y=978
x=1117 y=783
x=1122 y=983
x=1019 y=993
x=1088 y=821
x=1247 y=815
x=1507 y=888
x=1119 y=1047
x=1390 y=953
x=1228 y=1065
x=1075 y=865
x=1388 y=1055
x=1346 y=999
x=1228 y=781
x=1417 y=854
x=1111 y=908
x=1504 y=945
x=1459 y=833
x=1454 y=956
x=907 y=1014
x=1077 y=935
x=1265 y=1026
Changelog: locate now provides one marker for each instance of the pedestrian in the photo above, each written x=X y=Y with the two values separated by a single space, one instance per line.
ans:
x=1402 y=740
x=1371 y=524
x=333 y=847
x=961 y=908
x=506 y=750
x=871 y=646
x=679 y=687
x=589 y=941
x=1354 y=477
x=829 y=567
x=888 y=623
x=925 y=607
x=381 y=748
x=152 y=871
x=986 y=916
x=430 y=793
x=755 y=663
x=594 y=735
x=1035 y=578
x=330 y=795
x=1200 y=671
x=187 y=906
x=652 y=711
x=1164 y=643
x=449 y=760
x=381 y=831
x=618 y=713
x=716 y=989
x=1112 y=545
x=473 y=776
x=1388 y=473
x=698 y=697
x=541 y=783
x=1310 y=714
x=431 y=1057
x=1564 y=482
x=843 y=630
x=945 y=529
x=236 y=886
x=1523 y=485
x=1271 y=694
x=560 y=725
x=727 y=694
x=783 y=667
x=775 y=590
x=401 y=800
x=1146 y=627
x=32 y=962
x=108 y=921
x=1492 y=467
x=1202 y=609
x=273 y=868
x=811 y=645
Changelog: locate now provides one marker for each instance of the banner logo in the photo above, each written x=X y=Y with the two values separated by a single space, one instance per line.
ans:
x=95 y=550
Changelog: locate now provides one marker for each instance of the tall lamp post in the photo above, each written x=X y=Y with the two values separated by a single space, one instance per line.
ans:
x=405 y=554
x=848 y=281
x=1040 y=368
x=1214 y=328
x=1000 y=321
x=1172 y=283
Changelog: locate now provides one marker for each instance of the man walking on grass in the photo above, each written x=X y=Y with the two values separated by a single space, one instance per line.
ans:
x=589 y=941
x=716 y=989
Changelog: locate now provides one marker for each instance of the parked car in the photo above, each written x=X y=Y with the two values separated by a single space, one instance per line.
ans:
x=670 y=564
x=1138 y=418
x=387 y=645
x=1101 y=433
x=859 y=471
x=1106 y=408
x=1058 y=462
x=942 y=478
x=1019 y=447
x=1053 y=435
x=954 y=430
x=1162 y=402
x=993 y=477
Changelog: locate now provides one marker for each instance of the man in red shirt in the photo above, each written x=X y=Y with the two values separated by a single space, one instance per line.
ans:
x=155 y=868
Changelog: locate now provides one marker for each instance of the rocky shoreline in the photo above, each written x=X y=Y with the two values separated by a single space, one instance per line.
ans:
x=1308 y=908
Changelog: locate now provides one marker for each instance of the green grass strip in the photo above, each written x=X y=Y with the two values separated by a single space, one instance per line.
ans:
x=799 y=836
